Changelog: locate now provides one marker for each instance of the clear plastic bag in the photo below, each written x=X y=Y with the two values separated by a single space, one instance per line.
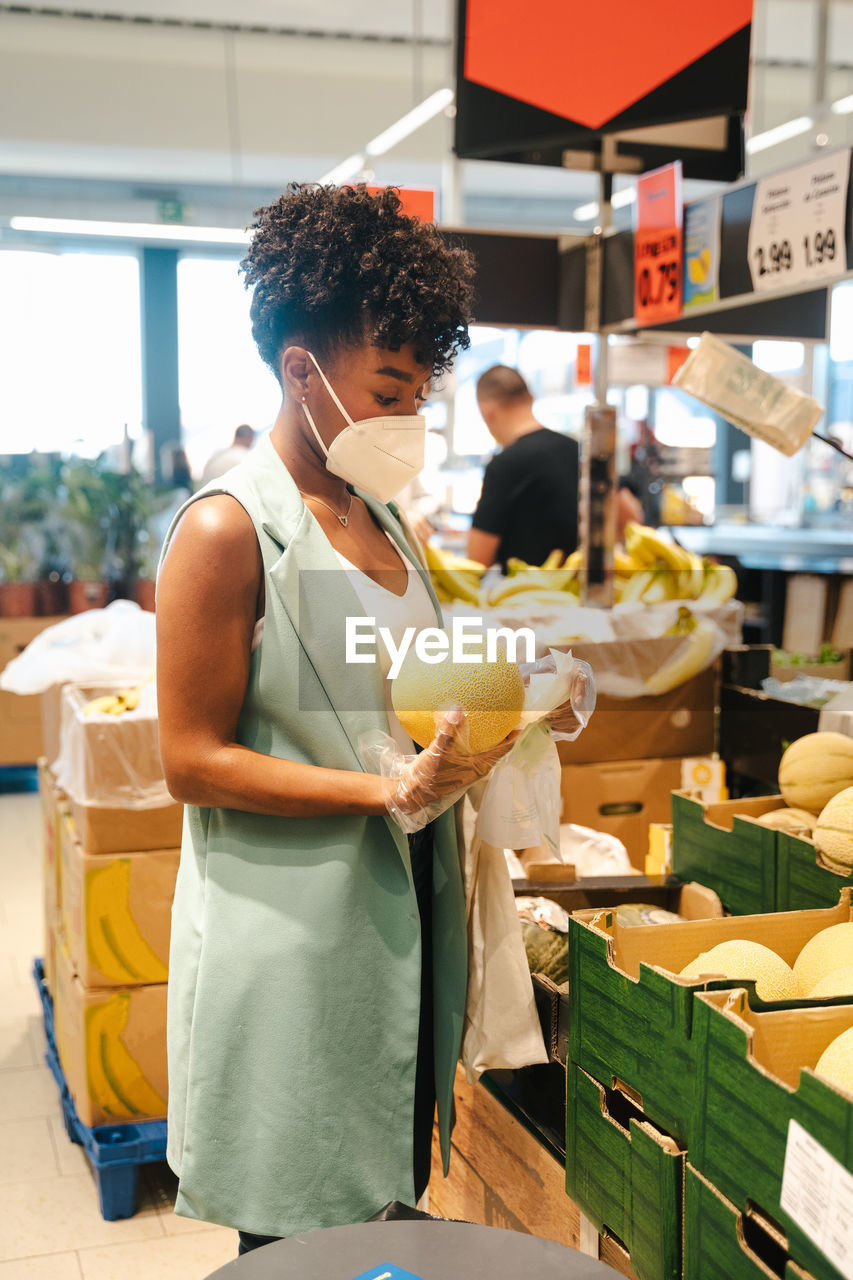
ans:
x=757 y=402
x=110 y=761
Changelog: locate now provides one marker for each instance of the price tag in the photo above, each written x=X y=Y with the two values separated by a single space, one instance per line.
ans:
x=658 y=246
x=798 y=232
x=817 y=1192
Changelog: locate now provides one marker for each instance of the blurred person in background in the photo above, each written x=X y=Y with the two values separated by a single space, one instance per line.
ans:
x=528 y=505
x=224 y=459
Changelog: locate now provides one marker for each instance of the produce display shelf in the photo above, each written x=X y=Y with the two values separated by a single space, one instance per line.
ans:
x=116 y=1152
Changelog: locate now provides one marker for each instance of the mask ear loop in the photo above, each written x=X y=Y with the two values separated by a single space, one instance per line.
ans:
x=328 y=387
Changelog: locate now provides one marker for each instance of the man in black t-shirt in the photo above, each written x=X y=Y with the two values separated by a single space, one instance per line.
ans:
x=528 y=506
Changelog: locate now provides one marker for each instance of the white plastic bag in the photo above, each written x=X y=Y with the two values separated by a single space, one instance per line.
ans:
x=501 y=1028
x=100 y=646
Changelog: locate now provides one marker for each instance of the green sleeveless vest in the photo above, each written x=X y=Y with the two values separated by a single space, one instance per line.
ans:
x=294 y=981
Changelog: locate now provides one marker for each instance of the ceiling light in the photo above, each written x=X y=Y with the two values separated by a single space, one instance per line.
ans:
x=132 y=230
x=782 y=133
x=346 y=169
x=420 y=115
x=843 y=106
x=586 y=212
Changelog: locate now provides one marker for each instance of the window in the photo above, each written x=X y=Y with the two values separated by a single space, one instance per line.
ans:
x=223 y=380
x=70 y=369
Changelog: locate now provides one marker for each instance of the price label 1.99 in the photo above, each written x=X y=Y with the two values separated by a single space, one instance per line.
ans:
x=797 y=231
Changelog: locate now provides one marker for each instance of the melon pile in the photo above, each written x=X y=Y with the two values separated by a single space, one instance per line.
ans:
x=822 y=970
x=824 y=967
x=816 y=782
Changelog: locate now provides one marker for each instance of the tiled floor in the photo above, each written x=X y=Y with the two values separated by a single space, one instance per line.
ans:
x=50 y=1224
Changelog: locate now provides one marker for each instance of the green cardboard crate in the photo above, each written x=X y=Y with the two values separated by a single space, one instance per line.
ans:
x=720 y=1243
x=801 y=878
x=722 y=846
x=755 y=1075
x=631 y=1018
x=625 y=1175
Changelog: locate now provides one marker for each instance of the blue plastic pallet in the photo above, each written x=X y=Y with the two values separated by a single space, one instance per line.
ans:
x=115 y=1151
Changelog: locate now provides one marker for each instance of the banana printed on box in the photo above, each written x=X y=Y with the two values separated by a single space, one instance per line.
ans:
x=116 y=912
x=112 y=1047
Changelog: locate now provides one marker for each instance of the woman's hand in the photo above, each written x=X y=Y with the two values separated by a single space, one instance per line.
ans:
x=429 y=783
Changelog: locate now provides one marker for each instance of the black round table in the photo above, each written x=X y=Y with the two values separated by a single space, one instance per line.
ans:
x=426 y=1250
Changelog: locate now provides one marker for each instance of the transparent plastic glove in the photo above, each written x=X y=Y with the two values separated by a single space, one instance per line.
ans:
x=429 y=783
x=567 y=721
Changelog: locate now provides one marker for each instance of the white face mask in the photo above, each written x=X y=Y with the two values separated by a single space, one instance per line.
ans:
x=378 y=455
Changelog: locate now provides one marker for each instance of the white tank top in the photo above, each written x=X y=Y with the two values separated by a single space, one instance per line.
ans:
x=413 y=608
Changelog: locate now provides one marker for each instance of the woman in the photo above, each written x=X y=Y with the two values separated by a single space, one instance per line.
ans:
x=307 y=1046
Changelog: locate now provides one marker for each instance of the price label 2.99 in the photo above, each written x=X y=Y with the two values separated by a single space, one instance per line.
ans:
x=773 y=257
x=797 y=231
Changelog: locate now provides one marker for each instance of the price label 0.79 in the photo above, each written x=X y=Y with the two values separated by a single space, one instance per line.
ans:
x=797 y=233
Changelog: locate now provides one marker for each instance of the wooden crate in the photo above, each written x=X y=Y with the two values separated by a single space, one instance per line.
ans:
x=502 y=1176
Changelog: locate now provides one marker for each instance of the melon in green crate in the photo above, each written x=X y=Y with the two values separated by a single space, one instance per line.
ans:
x=743 y=959
x=815 y=768
x=833 y=832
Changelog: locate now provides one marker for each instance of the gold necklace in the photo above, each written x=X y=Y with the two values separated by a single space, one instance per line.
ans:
x=344 y=519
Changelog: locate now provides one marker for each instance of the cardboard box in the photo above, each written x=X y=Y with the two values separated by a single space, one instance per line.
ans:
x=117 y=830
x=51 y=721
x=53 y=807
x=117 y=912
x=721 y=1243
x=110 y=767
x=802 y=880
x=804 y=626
x=20 y=715
x=112 y=1047
x=724 y=847
x=755 y=1074
x=631 y=1017
x=678 y=723
x=622 y=798
x=823 y=670
x=625 y=1175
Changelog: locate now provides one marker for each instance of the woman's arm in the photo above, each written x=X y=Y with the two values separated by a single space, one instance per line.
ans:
x=207 y=597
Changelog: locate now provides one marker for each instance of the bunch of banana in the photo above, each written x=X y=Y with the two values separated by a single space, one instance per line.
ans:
x=690 y=658
x=453 y=577
x=553 y=582
x=654 y=569
x=116 y=1082
x=115 y=704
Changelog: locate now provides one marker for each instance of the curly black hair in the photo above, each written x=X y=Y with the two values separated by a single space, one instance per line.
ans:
x=335 y=266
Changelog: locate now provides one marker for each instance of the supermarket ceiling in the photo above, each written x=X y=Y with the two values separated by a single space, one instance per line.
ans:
x=125 y=104
x=396 y=19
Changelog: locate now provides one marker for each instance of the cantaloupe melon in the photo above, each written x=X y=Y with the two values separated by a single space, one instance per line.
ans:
x=833 y=832
x=827 y=951
x=740 y=958
x=839 y=983
x=814 y=769
x=836 y=1062
x=492 y=694
x=788 y=820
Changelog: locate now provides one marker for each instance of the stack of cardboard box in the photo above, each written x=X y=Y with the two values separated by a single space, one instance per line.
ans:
x=110 y=879
x=619 y=775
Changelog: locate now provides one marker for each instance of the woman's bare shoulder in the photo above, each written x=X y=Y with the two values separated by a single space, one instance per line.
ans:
x=214 y=535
